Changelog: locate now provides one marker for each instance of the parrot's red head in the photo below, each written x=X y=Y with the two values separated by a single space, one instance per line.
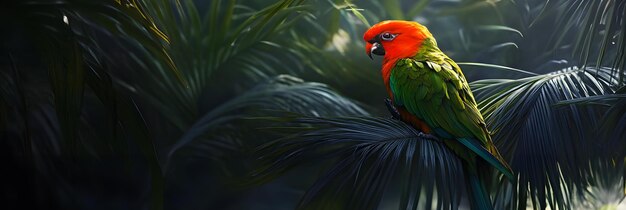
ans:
x=395 y=39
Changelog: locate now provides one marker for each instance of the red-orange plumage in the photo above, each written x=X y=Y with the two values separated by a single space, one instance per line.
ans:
x=413 y=120
x=405 y=46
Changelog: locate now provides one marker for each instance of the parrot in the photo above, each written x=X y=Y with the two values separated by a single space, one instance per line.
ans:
x=428 y=91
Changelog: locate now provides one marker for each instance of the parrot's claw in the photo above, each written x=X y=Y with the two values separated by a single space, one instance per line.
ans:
x=393 y=110
x=427 y=136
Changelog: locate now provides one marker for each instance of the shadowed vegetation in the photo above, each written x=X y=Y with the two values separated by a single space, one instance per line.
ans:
x=232 y=104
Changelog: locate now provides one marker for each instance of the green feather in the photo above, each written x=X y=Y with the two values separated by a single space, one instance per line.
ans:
x=420 y=65
x=432 y=87
x=421 y=93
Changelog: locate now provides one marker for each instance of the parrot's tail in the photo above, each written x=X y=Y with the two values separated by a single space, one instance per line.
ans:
x=477 y=193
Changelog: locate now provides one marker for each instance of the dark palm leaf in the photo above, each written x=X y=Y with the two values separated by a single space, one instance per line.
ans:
x=549 y=146
x=591 y=31
x=64 y=32
x=281 y=93
x=227 y=43
x=612 y=128
x=210 y=51
x=607 y=179
x=537 y=35
x=373 y=163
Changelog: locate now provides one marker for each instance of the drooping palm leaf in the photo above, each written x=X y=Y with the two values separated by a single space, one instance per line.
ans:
x=373 y=163
x=607 y=179
x=285 y=93
x=548 y=146
x=612 y=128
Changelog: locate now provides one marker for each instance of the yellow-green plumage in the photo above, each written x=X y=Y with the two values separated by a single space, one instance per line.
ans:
x=432 y=87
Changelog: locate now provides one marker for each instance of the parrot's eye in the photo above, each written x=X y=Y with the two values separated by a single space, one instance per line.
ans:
x=387 y=36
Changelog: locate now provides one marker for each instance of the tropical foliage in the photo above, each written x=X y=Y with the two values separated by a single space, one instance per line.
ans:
x=226 y=104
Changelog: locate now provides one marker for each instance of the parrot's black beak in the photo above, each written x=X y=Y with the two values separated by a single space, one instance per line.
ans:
x=374 y=47
x=377 y=49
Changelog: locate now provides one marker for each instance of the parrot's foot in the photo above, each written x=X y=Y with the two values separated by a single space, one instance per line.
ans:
x=395 y=114
x=427 y=136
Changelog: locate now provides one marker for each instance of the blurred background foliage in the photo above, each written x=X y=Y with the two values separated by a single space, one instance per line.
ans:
x=226 y=104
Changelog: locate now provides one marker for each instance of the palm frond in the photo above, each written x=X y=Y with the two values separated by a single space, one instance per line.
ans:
x=373 y=163
x=209 y=51
x=549 y=146
x=588 y=30
x=285 y=93
x=532 y=33
x=612 y=128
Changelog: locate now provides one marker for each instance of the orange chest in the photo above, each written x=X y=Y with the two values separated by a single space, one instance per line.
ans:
x=411 y=119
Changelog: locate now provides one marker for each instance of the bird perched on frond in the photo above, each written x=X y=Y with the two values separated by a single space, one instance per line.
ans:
x=429 y=92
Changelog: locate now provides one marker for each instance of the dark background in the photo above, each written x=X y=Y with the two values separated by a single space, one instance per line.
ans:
x=161 y=104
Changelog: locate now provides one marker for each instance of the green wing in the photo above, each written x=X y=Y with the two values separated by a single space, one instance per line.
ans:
x=433 y=88
x=435 y=93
